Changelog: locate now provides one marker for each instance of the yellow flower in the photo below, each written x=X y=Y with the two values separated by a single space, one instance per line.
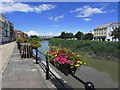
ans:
x=84 y=63
x=78 y=61
x=77 y=65
x=81 y=62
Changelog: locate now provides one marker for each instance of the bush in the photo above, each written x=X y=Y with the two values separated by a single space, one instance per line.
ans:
x=107 y=50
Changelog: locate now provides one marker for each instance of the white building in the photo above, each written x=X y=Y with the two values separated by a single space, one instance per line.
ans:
x=103 y=32
x=4 y=29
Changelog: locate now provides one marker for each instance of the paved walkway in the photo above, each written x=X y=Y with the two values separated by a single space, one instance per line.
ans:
x=6 y=51
x=21 y=73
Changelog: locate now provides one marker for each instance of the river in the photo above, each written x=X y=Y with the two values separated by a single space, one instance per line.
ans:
x=100 y=79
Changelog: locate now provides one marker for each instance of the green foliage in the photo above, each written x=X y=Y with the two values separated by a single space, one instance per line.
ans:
x=20 y=40
x=63 y=35
x=88 y=36
x=116 y=33
x=79 y=35
x=35 y=44
x=66 y=35
x=34 y=37
x=107 y=50
x=69 y=35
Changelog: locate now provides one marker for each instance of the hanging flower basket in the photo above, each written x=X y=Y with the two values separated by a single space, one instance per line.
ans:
x=35 y=44
x=65 y=60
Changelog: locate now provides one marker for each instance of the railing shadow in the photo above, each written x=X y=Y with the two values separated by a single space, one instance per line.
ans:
x=58 y=82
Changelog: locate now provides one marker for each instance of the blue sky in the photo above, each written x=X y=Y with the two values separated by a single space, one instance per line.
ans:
x=50 y=18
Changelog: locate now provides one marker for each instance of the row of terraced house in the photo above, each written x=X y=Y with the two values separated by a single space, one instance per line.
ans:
x=103 y=32
x=7 y=32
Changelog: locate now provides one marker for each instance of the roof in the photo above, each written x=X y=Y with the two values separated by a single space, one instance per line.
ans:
x=106 y=25
x=2 y=18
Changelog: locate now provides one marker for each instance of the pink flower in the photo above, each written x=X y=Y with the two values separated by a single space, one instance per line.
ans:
x=56 y=59
x=69 y=62
x=64 y=60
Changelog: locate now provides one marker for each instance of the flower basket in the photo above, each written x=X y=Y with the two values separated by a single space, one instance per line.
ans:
x=66 y=69
x=64 y=60
x=35 y=44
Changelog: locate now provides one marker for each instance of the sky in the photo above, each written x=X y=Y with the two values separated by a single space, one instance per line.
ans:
x=52 y=18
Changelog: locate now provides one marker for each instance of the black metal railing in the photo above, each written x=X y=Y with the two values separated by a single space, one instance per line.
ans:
x=45 y=67
x=87 y=85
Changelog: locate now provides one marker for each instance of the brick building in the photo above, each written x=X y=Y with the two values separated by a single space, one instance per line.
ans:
x=20 y=34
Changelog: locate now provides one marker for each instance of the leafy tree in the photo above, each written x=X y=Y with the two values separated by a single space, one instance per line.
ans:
x=66 y=35
x=88 y=36
x=34 y=37
x=70 y=35
x=79 y=35
x=63 y=35
x=116 y=33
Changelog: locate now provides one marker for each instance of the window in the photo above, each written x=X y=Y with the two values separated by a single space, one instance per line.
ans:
x=6 y=33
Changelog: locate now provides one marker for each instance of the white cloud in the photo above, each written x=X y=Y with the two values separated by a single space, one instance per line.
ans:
x=44 y=7
x=21 y=7
x=56 y=18
x=88 y=11
x=58 y=34
x=47 y=34
x=6 y=0
x=87 y=19
x=32 y=32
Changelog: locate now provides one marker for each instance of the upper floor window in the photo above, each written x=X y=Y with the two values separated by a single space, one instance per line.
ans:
x=6 y=33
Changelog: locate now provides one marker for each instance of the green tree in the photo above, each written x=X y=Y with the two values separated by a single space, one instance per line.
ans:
x=116 y=33
x=63 y=35
x=70 y=35
x=34 y=37
x=79 y=35
x=88 y=36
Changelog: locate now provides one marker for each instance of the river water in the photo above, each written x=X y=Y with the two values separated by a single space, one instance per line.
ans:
x=100 y=79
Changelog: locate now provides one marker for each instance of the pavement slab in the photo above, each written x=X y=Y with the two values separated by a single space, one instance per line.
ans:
x=21 y=73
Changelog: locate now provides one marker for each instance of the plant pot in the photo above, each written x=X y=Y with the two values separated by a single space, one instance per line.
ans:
x=66 y=69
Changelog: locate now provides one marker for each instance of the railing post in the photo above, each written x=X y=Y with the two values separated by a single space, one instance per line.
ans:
x=89 y=86
x=36 y=55
x=31 y=51
x=47 y=69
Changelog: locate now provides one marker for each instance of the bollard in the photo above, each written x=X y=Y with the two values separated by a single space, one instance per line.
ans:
x=47 y=69
x=89 y=86
x=37 y=55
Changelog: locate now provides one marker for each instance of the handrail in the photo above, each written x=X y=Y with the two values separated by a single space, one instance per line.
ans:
x=49 y=70
x=87 y=85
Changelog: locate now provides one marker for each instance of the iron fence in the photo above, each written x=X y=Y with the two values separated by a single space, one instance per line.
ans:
x=26 y=51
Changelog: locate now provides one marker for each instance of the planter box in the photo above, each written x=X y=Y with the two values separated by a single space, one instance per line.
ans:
x=66 y=69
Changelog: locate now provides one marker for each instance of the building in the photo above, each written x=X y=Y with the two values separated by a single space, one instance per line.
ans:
x=6 y=30
x=20 y=34
x=103 y=32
